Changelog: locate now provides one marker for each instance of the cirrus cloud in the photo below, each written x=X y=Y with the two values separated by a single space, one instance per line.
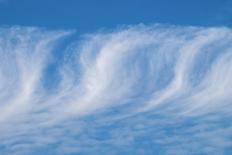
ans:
x=135 y=90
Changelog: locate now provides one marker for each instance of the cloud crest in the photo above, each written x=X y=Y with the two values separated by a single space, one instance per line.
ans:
x=166 y=86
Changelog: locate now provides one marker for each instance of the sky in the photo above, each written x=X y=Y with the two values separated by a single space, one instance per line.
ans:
x=90 y=16
x=141 y=77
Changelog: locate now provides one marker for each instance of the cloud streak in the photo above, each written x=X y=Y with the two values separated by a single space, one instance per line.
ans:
x=138 y=89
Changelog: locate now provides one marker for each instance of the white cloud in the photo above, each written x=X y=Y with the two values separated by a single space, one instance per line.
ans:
x=137 y=71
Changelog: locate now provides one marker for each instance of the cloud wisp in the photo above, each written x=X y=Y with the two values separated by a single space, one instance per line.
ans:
x=139 y=90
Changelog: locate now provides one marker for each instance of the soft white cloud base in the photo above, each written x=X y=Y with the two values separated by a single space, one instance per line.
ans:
x=166 y=86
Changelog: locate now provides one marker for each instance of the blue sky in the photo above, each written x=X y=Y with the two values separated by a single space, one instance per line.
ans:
x=87 y=15
x=141 y=77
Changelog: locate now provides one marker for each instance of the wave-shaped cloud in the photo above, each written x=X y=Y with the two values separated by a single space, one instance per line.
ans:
x=135 y=90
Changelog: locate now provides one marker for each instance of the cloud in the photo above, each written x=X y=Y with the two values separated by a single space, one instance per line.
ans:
x=133 y=90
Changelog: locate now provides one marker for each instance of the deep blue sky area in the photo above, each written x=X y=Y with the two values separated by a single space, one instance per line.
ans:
x=90 y=15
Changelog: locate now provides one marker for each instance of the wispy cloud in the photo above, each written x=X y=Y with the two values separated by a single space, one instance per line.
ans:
x=140 y=90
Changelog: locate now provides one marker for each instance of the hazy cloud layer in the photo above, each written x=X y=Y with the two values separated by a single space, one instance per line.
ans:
x=134 y=90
